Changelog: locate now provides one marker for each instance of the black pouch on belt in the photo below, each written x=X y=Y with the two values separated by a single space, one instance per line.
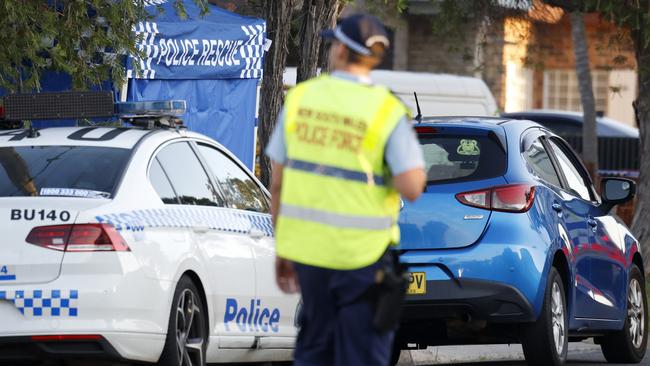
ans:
x=392 y=280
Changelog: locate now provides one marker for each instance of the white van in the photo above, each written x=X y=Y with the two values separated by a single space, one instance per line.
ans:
x=438 y=94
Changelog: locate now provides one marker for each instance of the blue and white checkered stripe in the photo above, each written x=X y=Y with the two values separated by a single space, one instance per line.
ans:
x=43 y=302
x=252 y=51
x=154 y=2
x=221 y=219
x=146 y=36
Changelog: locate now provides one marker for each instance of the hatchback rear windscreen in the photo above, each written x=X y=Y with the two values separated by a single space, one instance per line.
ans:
x=455 y=158
x=76 y=171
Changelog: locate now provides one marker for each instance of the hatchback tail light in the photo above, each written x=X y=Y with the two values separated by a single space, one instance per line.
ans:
x=508 y=198
x=78 y=238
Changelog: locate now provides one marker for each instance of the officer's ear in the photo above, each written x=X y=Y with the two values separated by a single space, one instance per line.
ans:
x=339 y=55
x=342 y=51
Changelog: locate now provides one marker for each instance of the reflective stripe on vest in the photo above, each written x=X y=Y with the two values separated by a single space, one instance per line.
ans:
x=332 y=171
x=336 y=219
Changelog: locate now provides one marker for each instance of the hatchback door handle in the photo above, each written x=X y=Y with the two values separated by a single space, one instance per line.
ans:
x=557 y=207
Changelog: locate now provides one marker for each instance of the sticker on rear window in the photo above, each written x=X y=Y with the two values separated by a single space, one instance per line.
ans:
x=468 y=147
x=73 y=192
x=7 y=273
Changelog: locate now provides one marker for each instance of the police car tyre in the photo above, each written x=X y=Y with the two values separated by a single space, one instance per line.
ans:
x=187 y=335
x=545 y=342
x=629 y=344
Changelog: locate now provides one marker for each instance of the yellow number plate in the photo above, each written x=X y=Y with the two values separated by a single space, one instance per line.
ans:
x=417 y=283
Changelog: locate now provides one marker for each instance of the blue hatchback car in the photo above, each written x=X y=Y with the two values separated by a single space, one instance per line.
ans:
x=510 y=243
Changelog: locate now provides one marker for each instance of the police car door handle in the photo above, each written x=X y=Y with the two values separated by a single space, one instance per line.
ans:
x=200 y=229
x=256 y=233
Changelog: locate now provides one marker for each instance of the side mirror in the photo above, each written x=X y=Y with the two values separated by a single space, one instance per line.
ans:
x=616 y=191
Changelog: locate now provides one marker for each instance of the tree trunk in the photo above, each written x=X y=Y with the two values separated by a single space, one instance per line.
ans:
x=641 y=222
x=330 y=23
x=316 y=16
x=278 y=25
x=589 y=133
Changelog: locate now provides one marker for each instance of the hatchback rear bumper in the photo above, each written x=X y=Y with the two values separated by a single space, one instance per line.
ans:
x=469 y=299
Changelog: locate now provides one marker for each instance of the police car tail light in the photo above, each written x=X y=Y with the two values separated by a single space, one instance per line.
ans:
x=78 y=238
x=51 y=237
x=508 y=198
x=95 y=237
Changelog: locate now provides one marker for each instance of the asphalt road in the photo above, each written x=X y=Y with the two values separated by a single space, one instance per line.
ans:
x=583 y=359
x=575 y=359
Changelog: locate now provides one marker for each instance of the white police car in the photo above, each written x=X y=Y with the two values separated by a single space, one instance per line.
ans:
x=151 y=245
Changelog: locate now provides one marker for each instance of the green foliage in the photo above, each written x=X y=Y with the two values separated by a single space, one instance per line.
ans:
x=87 y=39
x=632 y=15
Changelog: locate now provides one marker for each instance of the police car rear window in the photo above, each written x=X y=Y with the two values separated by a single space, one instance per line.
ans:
x=455 y=158
x=76 y=171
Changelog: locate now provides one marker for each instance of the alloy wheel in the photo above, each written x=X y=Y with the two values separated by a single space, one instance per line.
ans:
x=558 y=313
x=189 y=330
x=635 y=313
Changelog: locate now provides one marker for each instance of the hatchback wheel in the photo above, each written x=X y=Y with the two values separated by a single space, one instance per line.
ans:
x=545 y=342
x=629 y=344
x=187 y=336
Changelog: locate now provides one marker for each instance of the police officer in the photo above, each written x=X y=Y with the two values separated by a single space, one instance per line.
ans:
x=342 y=153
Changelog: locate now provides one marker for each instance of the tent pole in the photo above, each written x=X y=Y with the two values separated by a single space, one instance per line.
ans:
x=257 y=115
x=124 y=89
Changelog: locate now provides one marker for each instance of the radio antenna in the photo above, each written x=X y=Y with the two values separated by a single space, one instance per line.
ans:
x=417 y=104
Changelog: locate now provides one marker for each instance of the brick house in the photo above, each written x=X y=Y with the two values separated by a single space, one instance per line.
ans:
x=526 y=63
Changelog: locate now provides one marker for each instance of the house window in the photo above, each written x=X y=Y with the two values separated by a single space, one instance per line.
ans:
x=561 y=90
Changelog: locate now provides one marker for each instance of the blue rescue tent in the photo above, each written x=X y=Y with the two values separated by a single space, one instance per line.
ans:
x=214 y=62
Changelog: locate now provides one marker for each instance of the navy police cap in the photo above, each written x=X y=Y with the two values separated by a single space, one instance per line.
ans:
x=359 y=32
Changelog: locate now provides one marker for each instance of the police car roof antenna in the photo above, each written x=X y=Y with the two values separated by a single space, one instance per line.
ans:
x=417 y=104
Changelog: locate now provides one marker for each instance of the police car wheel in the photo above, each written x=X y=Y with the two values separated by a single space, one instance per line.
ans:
x=187 y=336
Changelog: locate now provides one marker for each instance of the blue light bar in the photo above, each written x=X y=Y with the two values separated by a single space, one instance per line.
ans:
x=151 y=109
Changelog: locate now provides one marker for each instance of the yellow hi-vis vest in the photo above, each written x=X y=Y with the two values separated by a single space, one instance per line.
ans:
x=338 y=208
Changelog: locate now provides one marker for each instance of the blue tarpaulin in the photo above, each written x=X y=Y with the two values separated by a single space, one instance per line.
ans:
x=222 y=109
